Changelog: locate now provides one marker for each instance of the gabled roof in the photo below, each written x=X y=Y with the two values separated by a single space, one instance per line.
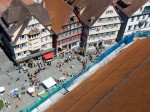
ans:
x=89 y=11
x=133 y=6
x=60 y=11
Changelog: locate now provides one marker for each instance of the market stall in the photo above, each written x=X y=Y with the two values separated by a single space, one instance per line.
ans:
x=49 y=82
x=2 y=89
x=31 y=91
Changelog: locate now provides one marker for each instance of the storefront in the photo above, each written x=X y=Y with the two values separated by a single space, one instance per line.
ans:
x=49 y=55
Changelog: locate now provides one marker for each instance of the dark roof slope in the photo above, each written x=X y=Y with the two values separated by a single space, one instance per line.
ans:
x=133 y=6
x=40 y=13
x=21 y=13
x=12 y=14
x=59 y=11
x=90 y=10
x=17 y=20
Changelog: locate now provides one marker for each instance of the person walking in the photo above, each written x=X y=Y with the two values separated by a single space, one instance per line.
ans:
x=17 y=105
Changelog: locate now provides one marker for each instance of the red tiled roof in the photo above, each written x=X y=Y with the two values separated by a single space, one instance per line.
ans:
x=60 y=11
x=120 y=86
x=4 y=4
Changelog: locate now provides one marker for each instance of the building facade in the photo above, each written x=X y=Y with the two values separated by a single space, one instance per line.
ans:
x=139 y=21
x=28 y=27
x=70 y=35
x=100 y=24
x=35 y=39
x=134 y=14
x=105 y=29
x=66 y=25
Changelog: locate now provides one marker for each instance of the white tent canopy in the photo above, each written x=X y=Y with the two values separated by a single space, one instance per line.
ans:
x=2 y=89
x=49 y=82
x=31 y=89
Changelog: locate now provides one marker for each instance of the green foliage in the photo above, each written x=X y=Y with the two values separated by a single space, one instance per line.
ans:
x=1 y=105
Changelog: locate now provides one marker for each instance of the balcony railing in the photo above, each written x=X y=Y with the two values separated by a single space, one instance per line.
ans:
x=34 y=48
x=71 y=35
x=74 y=27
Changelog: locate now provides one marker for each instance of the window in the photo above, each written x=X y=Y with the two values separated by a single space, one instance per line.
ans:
x=104 y=27
x=109 y=12
x=79 y=29
x=24 y=44
x=144 y=16
x=59 y=35
x=145 y=25
x=43 y=39
x=115 y=18
x=68 y=33
x=113 y=33
x=48 y=37
x=110 y=19
x=19 y=54
x=25 y=52
x=45 y=46
x=70 y=38
x=58 y=42
x=129 y=27
x=22 y=37
x=102 y=20
x=141 y=9
x=71 y=19
x=63 y=41
x=115 y=25
x=107 y=34
x=48 y=45
x=132 y=19
x=138 y=17
x=104 y=34
x=135 y=26
x=43 y=30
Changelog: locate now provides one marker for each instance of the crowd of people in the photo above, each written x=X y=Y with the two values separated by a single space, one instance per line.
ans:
x=40 y=64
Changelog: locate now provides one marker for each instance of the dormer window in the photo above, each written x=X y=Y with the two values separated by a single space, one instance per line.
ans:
x=70 y=2
x=71 y=19
x=124 y=3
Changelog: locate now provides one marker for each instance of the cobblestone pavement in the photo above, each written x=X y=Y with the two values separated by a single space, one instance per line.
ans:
x=10 y=83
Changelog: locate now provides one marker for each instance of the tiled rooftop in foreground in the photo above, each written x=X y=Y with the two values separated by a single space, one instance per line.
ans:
x=120 y=86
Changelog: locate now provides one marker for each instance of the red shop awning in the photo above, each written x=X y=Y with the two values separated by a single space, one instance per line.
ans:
x=48 y=55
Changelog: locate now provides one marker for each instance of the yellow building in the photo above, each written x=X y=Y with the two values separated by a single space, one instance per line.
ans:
x=29 y=26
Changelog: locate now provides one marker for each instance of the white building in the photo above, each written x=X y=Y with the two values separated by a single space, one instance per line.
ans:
x=105 y=29
x=140 y=20
x=135 y=15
